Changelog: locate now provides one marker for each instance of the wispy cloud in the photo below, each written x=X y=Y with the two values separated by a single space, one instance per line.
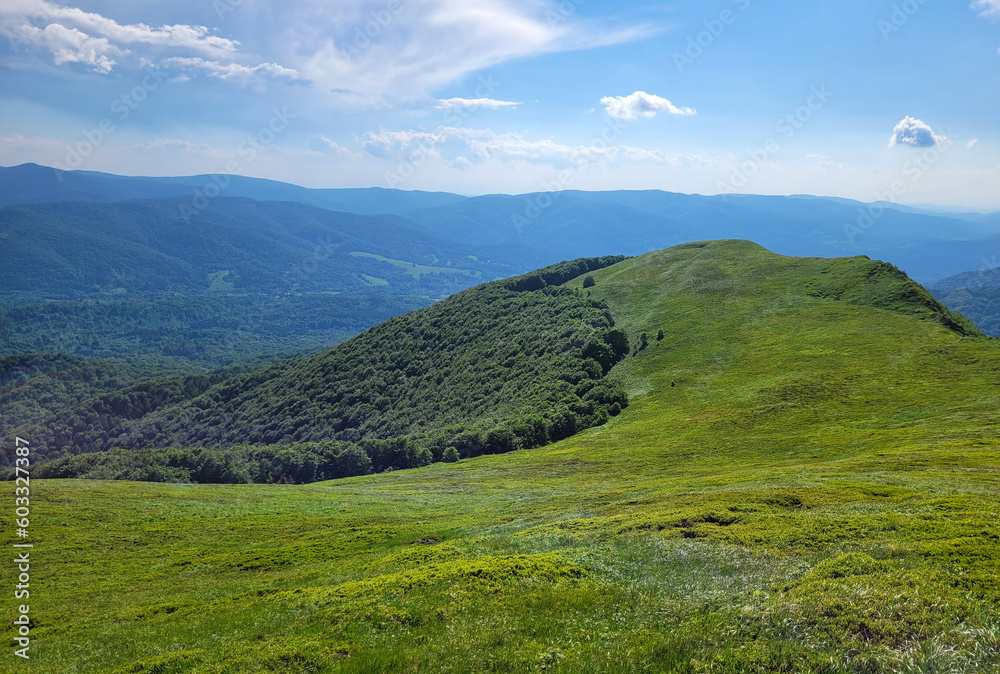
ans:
x=485 y=145
x=474 y=103
x=914 y=132
x=641 y=104
x=428 y=44
x=987 y=7
x=324 y=145
x=177 y=146
x=230 y=71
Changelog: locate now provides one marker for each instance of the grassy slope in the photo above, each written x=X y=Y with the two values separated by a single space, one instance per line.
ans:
x=816 y=491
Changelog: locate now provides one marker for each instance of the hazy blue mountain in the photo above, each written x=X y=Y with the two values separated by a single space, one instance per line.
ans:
x=545 y=228
x=982 y=278
x=66 y=249
x=31 y=183
x=584 y=223
x=975 y=294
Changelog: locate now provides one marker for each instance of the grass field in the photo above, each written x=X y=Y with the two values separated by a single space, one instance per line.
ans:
x=806 y=481
x=413 y=269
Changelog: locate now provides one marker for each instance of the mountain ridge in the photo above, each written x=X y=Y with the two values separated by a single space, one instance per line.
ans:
x=376 y=387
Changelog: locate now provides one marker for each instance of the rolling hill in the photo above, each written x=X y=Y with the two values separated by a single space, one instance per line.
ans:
x=510 y=364
x=804 y=481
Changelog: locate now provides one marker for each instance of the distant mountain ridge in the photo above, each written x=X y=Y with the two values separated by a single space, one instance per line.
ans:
x=30 y=183
x=149 y=245
x=549 y=227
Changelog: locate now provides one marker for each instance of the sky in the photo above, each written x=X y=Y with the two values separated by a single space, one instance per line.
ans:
x=865 y=99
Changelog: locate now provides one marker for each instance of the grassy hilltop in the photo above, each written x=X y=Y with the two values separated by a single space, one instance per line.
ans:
x=805 y=481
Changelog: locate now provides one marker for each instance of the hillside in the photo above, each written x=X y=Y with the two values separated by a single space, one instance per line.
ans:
x=804 y=481
x=240 y=280
x=514 y=363
x=68 y=249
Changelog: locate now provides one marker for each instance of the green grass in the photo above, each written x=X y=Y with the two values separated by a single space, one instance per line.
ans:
x=413 y=269
x=220 y=281
x=806 y=481
x=375 y=281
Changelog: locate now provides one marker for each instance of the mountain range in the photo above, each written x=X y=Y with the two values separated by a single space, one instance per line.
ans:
x=545 y=228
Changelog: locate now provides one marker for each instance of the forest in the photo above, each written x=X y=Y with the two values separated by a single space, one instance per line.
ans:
x=508 y=365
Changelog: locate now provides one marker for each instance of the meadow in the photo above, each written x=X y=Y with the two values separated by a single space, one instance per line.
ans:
x=805 y=481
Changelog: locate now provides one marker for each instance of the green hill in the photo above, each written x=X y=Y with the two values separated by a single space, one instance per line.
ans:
x=805 y=481
x=510 y=364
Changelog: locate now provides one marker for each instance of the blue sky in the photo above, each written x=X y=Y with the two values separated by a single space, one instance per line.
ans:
x=864 y=99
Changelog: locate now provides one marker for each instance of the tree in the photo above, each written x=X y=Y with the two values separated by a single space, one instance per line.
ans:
x=353 y=461
x=659 y=336
x=450 y=455
x=501 y=441
x=588 y=281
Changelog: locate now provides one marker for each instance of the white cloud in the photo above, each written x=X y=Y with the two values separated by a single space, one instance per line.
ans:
x=176 y=146
x=72 y=35
x=485 y=145
x=23 y=12
x=324 y=145
x=915 y=133
x=641 y=104
x=365 y=55
x=69 y=45
x=231 y=71
x=973 y=143
x=987 y=7
x=474 y=103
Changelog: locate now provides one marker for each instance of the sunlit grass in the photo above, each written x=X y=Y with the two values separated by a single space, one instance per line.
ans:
x=802 y=484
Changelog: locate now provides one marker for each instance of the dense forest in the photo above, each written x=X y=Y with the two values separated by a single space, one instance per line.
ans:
x=980 y=304
x=510 y=364
x=195 y=332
